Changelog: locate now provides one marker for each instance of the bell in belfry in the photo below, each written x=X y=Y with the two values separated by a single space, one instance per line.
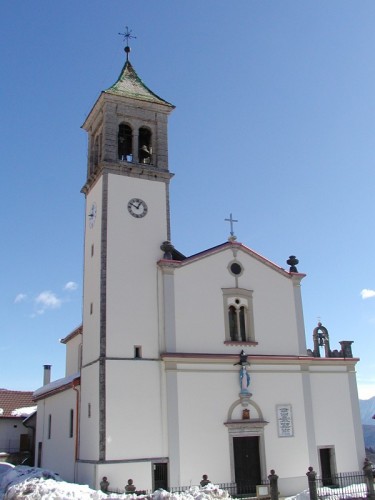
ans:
x=144 y=154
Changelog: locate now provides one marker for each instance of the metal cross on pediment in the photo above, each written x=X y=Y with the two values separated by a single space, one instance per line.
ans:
x=231 y=220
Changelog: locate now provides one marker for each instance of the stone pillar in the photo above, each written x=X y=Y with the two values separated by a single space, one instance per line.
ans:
x=367 y=471
x=135 y=145
x=311 y=477
x=274 y=490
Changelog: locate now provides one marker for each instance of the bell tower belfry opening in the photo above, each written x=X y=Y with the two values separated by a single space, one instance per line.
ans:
x=128 y=127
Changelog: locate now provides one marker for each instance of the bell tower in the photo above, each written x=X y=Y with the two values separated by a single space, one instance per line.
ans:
x=127 y=219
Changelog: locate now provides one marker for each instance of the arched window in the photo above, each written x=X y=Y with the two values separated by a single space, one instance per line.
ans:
x=96 y=152
x=125 y=142
x=144 y=146
x=239 y=321
x=233 y=325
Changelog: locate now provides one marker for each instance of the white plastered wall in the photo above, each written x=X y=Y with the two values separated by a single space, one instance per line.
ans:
x=89 y=413
x=205 y=395
x=73 y=354
x=134 y=416
x=10 y=432
x=118 y=475
x=58 y=406
x=334 y=403
x=199 y=310
x=133 y=250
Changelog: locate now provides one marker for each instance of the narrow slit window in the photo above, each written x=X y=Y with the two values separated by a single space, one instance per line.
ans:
x=71 y=423
x=49 y=426
x=137 y=352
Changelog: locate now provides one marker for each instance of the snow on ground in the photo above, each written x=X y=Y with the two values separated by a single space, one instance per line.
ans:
x=23 y=482
x=39 y=484
x=4 y=468
x=348 y=492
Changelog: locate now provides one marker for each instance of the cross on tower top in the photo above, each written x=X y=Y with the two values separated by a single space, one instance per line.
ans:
x=231 y=221
x=127 y=35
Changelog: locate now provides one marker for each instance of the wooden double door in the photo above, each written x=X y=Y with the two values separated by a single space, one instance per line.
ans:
x=246 y=463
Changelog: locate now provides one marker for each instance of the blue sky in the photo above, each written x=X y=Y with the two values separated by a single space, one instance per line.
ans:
x=274 y=122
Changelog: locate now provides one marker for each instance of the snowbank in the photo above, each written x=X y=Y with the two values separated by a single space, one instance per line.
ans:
x=41 y=484
x=325 y=493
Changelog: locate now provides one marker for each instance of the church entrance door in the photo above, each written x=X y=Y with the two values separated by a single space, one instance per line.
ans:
x=246 y=463
x=326 y=465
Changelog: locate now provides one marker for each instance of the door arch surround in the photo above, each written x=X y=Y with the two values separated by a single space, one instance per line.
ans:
x=246 y=428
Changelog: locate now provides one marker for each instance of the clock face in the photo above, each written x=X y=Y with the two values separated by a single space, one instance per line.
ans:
x=137 y=208
x=92 y=215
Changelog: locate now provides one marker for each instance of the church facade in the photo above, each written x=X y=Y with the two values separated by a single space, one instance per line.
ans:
x=185 y=365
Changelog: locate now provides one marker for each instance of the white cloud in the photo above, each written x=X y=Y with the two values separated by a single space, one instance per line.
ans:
x=47 y=300
x=367 y=294
x=71 y=286
x=20 y=297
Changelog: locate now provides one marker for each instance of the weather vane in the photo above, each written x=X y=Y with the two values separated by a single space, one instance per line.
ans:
x=127 y=35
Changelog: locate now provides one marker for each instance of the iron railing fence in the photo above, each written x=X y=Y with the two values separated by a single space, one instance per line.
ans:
x=238 y=489
x=342 y=486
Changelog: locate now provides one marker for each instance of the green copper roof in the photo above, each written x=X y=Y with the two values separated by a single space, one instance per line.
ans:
x=130 y=85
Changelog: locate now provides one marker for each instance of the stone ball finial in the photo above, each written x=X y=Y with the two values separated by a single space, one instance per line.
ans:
x=167 y=248
x=292 y=262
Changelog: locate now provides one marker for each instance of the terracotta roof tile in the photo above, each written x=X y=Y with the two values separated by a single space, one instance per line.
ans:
x=11 y=400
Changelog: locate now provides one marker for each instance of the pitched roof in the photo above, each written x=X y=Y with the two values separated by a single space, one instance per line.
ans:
x=13 y=400
x=129 y=84
x=59 y=385
x=71 y=335
x=222 y=247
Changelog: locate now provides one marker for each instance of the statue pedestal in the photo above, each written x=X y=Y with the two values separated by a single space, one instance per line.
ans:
x=245 y=397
